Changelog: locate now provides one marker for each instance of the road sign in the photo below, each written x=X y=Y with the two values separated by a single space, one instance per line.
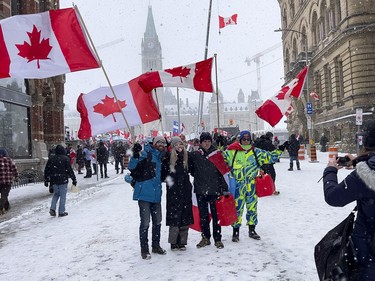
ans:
x=358 y=116
x=309 y=108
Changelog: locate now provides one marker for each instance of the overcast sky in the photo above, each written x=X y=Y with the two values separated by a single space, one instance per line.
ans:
x=182 y=27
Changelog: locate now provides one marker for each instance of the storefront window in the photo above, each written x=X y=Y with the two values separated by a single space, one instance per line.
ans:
x=14 y=118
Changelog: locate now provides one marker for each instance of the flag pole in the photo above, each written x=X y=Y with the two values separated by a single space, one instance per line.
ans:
x=217 y=95
x=201 y=96
x=178 y=111
x=157 y=103
x=101 y=65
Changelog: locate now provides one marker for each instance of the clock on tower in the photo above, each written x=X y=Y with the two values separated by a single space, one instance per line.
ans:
x=150 y=45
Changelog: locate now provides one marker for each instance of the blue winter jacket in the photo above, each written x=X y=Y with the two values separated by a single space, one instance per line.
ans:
x=148 y=190
x=358 y=186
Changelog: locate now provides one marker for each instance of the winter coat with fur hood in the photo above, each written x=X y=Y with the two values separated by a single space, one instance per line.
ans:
x=358 y=186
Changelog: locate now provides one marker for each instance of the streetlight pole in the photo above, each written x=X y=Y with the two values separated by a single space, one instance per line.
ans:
x=308 y=118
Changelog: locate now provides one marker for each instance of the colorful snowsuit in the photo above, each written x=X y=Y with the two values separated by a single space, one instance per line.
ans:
x=244 y=168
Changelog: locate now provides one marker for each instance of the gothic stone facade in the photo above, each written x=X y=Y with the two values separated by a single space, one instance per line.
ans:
x=339 y=37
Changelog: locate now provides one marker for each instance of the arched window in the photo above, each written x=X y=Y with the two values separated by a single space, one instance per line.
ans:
x=314 y=29
x=287 y=58
x=295 y=50
x=323 y=21
x=292 y=9
x=285 y=18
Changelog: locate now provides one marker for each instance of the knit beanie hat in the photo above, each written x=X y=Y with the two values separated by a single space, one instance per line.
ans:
x=243 y=133
x=158 y=138
x=369 y=139
x=205 y=136
x=175 y=140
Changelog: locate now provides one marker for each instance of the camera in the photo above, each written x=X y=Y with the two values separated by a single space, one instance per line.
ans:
x=343 y=161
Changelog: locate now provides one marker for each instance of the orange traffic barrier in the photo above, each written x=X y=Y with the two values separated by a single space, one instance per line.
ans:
x=313 y=153
x=332 y=152
x=301 y=152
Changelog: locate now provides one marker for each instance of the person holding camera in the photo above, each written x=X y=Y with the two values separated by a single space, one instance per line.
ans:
x=57 y=173
x=145 y=168
x=358 y=186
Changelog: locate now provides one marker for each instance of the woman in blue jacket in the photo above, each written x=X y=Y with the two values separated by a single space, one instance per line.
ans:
x=145 y=167
x=359 y=186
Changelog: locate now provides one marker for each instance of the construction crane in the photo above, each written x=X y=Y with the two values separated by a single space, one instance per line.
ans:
x=108 y=44
x=256 y=59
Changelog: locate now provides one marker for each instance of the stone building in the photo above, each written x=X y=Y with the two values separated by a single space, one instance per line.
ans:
x=31 y=111
x=337 y=38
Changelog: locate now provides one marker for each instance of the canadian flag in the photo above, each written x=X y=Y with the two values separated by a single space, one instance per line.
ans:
x=223 y=22
x=100 y=113
x=194 y=76
x=44 y=45
x=273 y=109
x=289 y=110
x=314 y=95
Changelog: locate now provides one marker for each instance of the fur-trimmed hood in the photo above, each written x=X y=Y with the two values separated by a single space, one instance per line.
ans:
x=366 y=172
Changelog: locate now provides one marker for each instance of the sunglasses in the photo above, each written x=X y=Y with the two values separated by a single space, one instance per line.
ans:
x=161 y=143
x=246 y=139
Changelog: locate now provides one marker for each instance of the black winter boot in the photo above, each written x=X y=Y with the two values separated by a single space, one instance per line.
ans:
x=145 y=254
x=252 y=233
x=290 y=167
x=236 y=234
x=298 y=168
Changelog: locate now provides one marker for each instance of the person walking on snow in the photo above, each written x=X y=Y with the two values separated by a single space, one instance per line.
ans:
x=245 y=162
x=293 y=147
x=57 y=172
x=8 y=173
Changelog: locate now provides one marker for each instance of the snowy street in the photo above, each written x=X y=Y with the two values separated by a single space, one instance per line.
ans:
x=99 y=240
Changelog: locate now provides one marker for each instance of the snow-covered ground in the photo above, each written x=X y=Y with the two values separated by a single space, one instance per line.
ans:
x=98 y=240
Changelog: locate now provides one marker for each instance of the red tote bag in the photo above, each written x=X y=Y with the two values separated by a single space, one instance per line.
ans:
x=226 y=210
x=264 y=185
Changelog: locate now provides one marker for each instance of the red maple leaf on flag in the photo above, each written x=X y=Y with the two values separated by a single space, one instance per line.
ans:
x=109 y=106
x=36 y=50
x=181 y=71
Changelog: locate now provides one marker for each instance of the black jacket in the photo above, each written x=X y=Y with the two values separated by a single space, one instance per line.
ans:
x=207 y=178
x=102 y=154
x=58 y=169
x=358 y=186
x=179 y=205
x=293 y=147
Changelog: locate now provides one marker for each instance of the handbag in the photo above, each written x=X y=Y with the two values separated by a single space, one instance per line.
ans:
x=264 y=185
x=74 y=188
x=335 y=256
x=232 y=185
x=226 y=210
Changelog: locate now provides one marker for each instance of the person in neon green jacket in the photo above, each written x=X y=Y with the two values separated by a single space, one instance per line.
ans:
x=245 y=161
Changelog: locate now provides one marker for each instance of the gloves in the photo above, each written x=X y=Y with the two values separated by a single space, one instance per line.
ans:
x=284 y=145
x=226 y=194
x=74 y=182
x=46 y=183
x=136 y=149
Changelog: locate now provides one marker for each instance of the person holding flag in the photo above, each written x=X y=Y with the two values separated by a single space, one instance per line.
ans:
x=245 y=161
x=208 y=167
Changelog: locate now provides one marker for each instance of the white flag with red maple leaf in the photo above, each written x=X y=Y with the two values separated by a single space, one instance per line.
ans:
x=194 y=76
x=100 y=113
x=224 y=21
x=273 y=109
x=44 y=45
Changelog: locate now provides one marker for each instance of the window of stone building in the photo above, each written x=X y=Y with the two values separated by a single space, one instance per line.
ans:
x=328 y=84
x=287 y=58
x=318 y=88
x=323 y=20
x=295 y=50
x=337 y=12
x=314 y=29
x=331 y=18
x=292 y=8
x=340 y=81
x=285 y=18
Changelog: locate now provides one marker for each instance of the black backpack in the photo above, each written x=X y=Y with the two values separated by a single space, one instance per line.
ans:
x=335 y=256
x=145 y=169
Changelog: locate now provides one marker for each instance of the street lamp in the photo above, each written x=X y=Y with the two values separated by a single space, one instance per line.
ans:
x=309 y=125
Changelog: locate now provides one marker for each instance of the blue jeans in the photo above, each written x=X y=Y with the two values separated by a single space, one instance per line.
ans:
x=59 y=191
x=147 y=209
